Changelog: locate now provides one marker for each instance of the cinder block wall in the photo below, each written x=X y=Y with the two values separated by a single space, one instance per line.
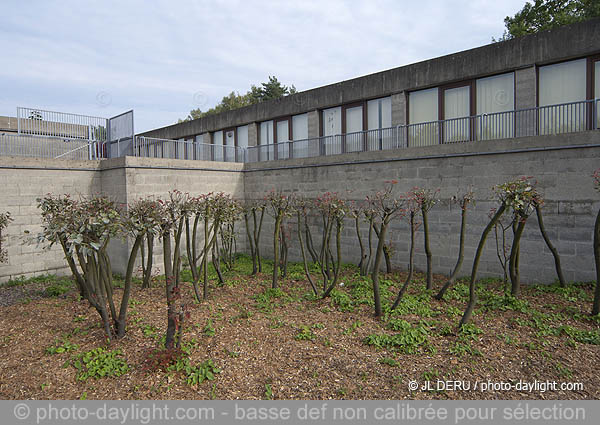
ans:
x=562 y=170
x=562 y=164
x=22 y=181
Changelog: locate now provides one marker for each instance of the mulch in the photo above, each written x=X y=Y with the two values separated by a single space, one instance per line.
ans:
x=257 y=349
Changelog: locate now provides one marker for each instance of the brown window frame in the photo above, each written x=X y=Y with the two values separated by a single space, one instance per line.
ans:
x=472 y=84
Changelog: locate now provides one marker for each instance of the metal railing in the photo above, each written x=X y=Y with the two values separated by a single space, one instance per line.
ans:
x=544 y=120
x=47 y=134
x=49 y=147
x=182 y=149
x=40 y=122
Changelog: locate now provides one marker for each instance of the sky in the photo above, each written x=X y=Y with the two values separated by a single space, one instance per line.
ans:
x=164 y=58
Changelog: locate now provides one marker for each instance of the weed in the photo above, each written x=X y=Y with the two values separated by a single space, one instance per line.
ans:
x=469 y=331
x=430 y=375
x=268 y=392
x=389 y=361
x=305 y=334
x=581 y=335
x=66 y=347
x=460 y=348
x=355 y=325
x=209 y=329
x=342 y=300
x=265 y=301
x=408 y=340
x=99 y=363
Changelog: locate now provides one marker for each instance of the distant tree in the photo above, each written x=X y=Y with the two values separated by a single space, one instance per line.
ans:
x=547 y=14
x=272 y=89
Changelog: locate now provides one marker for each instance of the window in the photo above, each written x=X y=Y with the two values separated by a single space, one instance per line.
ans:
x=217 y=153
x=300 y=127
x=495 y=103
x=282 y=136
x=242 y=136
x=203 y=147
x=229 y=145
x=456 y=108
x=596 y=94
x=379 y=116
x=332 y=128
x=423 y=116
x=560 y=85
x=300 y=136
x=266 y=138
x=353 y=127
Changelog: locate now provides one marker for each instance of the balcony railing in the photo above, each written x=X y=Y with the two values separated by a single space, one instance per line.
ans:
x=545 y=120
x=182 y=149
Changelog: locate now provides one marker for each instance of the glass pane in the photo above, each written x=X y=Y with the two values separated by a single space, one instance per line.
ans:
x=423 y=116
x=379 y=115
x=283 y=134
x=332 y=128
x=354 y=124
x=266 y=133
x=300 y=132
x=597 y=92
x=242 y=136
x=266 y=139
x=217 y=146
x=456 y=107
x=495 y=106
x=300 y=127
x=562 y=83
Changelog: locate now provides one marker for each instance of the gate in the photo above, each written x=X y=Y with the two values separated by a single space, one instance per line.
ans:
x=121 y=134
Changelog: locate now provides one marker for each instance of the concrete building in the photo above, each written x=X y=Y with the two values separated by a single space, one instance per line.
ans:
x=503 y=90
x=474 y=119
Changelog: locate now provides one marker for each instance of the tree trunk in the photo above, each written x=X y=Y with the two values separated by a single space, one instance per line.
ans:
x=461 y=256
x=596 y=304
x=251 y=242
x=551 y=247
x=170 y=289
x=360 y=242
x=122 y=320
x=276 y=251
x=338 y=263
x=513 y=265
x=378 y=257
x=410 y=262
x=429 y=284
x=309 y=242
x=257 y=235
x=306 y=270
x=472 y=295
x=149 y=260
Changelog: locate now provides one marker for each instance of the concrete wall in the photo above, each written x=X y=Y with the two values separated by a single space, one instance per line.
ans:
x=23 y=180
x=561 y=167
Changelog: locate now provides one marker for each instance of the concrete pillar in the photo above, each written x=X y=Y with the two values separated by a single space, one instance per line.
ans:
x=525 y=98
x=253 y=134
x=313 y=124
x=399 y=109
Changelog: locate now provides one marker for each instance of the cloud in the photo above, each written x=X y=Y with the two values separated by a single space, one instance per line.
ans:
x=155 y=56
